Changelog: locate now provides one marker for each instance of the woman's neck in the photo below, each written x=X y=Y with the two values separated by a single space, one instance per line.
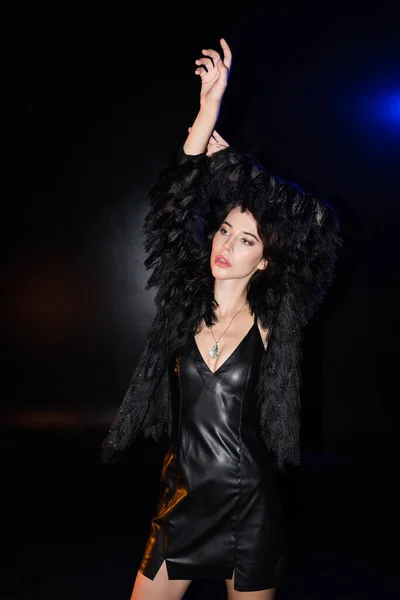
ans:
x=230 y=299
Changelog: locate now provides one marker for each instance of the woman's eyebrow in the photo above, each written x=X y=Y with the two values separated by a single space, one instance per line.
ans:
x=246 y=232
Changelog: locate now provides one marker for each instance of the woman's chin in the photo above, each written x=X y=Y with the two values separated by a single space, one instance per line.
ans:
x=220 y=273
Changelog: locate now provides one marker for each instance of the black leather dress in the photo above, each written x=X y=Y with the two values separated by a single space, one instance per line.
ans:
x=220 y=507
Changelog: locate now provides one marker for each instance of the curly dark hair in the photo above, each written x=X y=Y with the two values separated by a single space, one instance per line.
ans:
x=300 y=234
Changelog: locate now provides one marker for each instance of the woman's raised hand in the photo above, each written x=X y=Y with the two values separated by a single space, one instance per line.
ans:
x=214 y=73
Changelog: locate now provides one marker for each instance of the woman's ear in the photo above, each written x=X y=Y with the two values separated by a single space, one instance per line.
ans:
x=262 y=265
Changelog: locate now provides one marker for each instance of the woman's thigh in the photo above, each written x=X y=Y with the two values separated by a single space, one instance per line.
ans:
x=236 y=595
x=160 y=588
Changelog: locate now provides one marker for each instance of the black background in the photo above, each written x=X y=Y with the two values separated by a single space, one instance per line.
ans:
x=96 y=93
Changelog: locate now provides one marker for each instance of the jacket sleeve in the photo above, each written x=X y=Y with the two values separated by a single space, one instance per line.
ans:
x=313 y=233
x=176 y=204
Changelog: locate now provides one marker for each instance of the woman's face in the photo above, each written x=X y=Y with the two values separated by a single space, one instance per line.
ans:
x=238 y=242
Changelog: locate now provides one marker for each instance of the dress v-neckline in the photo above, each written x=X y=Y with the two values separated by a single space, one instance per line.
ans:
x=229 y=357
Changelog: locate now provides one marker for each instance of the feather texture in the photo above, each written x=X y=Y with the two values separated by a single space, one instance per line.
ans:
x=300 y=232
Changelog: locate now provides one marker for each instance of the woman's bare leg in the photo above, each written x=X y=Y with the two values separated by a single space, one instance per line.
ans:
x=160 y=588
x=235 y=595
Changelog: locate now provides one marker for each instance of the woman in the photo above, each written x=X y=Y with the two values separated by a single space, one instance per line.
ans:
x=240 y=261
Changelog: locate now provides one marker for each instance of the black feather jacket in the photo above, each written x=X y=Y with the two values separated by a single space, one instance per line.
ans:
x=191 y=197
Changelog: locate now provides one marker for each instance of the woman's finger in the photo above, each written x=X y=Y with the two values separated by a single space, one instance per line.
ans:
x=215 y=148
x=213 y=53
x=219 y=138
x=221 y=145
x=206 y=62
x=227 y=53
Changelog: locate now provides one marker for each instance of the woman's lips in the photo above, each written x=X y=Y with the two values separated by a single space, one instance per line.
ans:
x=222 y=262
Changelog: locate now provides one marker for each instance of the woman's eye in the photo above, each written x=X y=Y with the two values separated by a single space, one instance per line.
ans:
x=223 y=231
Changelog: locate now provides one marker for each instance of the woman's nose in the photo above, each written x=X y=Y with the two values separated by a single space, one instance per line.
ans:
x=228 y=245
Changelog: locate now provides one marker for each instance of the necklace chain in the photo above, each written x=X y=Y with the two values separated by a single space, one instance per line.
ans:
x=213 y=352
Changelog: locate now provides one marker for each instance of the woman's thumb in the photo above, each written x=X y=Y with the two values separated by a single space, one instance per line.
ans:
x=220 y=64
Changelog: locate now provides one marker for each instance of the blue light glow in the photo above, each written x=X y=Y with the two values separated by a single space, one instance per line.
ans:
x=389 y=108
x=380 y=111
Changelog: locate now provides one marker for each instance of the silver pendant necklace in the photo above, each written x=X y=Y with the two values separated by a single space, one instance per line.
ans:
x=213 y=352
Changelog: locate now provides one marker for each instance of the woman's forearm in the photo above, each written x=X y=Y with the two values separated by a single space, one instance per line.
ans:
x=198 y=138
